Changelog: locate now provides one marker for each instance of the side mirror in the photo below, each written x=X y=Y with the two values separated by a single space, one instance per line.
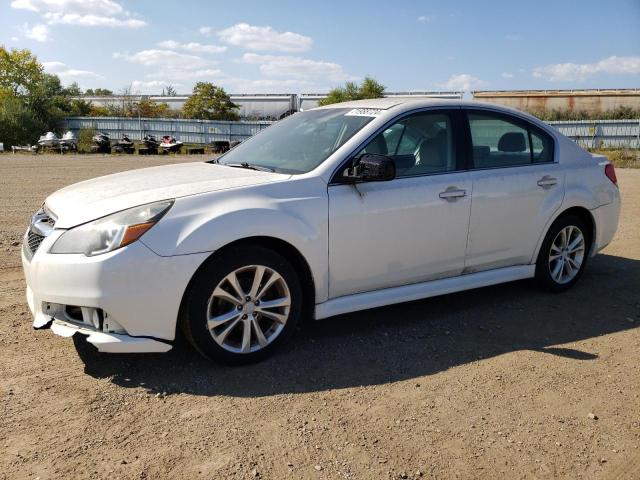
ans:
x=372 y=167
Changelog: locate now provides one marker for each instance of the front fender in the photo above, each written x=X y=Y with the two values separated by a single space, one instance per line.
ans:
x=208 y=222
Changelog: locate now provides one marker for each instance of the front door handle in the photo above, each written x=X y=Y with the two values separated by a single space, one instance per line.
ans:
x=547 y=181
x=453 y=193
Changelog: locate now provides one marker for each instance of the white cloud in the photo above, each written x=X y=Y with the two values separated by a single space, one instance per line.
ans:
x=91 y=20
x=39 y=33
x=512 y=37
x=507 y=75
x=177 y=74
x=267 y=85
x=206 y=31
x=252 y=37
x=172 y=66
x=571 y=72
x=166 y=59
x=425 y=18
x=463 y=82
x=67 y=74
x=151 y=86
x=86 y=13
x=194 y=47
x=288 y=66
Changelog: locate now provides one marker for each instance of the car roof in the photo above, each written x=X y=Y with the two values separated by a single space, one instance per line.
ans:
x=386 y=103
x=404 y=104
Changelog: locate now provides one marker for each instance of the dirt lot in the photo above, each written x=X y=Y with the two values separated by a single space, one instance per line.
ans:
x=493 y=383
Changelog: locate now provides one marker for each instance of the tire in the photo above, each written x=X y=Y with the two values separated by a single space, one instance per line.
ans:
x=214 y=319
x=561 y=272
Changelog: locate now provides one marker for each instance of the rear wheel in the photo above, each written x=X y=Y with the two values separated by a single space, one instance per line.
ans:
x=563 y=255
x=242 y=305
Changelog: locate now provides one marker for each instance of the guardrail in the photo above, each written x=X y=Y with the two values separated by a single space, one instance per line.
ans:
x=602 y=133
x=587 y=133
x=188 y=131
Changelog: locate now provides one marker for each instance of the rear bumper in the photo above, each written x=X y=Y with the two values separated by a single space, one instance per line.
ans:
x=606 y=219
x=129 y=298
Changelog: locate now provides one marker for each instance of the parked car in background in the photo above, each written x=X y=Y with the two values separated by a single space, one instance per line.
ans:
x=329 y=211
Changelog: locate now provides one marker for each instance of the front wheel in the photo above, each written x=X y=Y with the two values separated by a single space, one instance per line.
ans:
x=563 y=255
x=241 y=305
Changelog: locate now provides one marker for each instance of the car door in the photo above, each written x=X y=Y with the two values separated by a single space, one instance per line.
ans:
x=412 y=228
x=517 y=186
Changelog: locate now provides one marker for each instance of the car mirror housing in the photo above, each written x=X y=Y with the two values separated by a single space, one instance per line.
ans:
x=371 y=167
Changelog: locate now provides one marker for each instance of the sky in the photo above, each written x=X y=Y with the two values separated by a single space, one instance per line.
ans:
x=266 y=46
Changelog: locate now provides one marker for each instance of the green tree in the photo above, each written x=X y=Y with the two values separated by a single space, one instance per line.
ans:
x=102 y=92
x=99 y=111
x=20 y=72
x=169 y=91
x=31 y=101
x=209 y=102
x=80 y=108
x=150 y=109
x=73 y=90
x=369 y=88
x=18 y=123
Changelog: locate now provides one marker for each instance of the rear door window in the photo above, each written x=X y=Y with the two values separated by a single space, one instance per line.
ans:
x=502 y=141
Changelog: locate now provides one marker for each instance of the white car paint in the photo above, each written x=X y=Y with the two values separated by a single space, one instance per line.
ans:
x=349 y=237
x=433 y=240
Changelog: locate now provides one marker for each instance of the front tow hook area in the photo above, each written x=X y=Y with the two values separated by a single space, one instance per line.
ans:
x=43 y=323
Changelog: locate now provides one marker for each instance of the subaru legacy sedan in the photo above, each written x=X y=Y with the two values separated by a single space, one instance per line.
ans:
x=332 y=210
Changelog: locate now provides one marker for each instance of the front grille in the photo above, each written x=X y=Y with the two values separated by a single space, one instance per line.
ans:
x=33 y=241
x=42 y=224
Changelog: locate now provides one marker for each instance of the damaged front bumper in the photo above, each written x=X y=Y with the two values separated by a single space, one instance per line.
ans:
x=92 y=324
x=124 y=301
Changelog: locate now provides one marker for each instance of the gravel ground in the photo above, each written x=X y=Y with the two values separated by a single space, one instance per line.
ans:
x=500 y=382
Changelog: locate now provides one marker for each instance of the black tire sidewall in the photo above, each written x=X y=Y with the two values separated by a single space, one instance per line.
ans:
x=194 y=309
x=543 y=274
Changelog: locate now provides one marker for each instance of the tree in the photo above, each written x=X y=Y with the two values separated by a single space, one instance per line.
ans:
x=150 y=109
x=369 y=88
x=169 y=91
x=31 y=101
x=18 y=123
x=99 y=111
x=20 y=72
x=73 y=90
x=98 y=92
x=80 y=108
x=209 y=102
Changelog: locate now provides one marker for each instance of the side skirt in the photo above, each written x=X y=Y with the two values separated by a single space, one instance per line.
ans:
x=417 y=291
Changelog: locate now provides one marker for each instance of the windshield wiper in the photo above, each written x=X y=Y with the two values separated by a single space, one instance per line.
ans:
x=249 y=166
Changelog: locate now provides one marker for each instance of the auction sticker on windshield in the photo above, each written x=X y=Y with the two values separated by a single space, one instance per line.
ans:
x=364 y=112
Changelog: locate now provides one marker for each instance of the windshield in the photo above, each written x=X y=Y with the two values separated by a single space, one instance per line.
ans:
x=299 y=143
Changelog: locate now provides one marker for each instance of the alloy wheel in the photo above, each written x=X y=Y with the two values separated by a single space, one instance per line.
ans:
x=248 y=309
x=566 y=254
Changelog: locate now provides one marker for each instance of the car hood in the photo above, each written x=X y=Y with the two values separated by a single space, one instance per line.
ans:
x=85 y=201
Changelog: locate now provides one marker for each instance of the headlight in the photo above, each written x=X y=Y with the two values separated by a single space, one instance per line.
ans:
x=111 y=232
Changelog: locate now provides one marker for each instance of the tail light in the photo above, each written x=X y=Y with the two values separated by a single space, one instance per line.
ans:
x=610 y=172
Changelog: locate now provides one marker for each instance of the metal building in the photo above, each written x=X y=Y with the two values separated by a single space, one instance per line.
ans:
x=310 y=100
x=262 y=106
x=590 y=101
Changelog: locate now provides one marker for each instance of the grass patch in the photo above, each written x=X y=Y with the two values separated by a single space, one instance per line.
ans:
x=621 y=158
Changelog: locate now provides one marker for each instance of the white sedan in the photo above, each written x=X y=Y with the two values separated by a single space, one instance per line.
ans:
x=332 y=210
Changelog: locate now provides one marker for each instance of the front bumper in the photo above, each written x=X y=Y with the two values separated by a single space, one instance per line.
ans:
x=135 y=293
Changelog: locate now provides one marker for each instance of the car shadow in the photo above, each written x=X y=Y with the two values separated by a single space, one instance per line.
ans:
x=404 y=341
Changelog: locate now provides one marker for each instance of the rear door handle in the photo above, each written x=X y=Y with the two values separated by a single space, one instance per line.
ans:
x=547 y=181
x=452 y=194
